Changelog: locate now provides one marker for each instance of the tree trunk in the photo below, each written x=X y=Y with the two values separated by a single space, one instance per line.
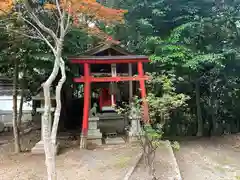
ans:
x=199 y=111
x=58 y=101
x=20 y=111
x=15 y=110
x=49 y=135
x=212 y=124
x=46 y=130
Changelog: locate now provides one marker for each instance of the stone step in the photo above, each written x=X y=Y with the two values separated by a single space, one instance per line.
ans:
x=95 y=142
x=114 y=141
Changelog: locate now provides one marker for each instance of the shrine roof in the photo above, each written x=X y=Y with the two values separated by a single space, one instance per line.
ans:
x=140 y=57
x=108 y=53
x=109 y=59
x=106 y=46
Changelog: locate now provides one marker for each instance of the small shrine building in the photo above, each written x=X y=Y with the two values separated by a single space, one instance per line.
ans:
x=110 y=75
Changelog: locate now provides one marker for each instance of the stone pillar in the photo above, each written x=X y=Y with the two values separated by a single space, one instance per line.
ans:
x=39 y=147
x=94 y=134
x=135 y=130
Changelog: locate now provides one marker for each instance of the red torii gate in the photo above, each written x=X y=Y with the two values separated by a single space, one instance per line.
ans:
x=87 y=79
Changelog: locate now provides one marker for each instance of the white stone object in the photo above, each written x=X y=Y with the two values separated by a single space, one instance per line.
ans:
x=135 y=129
x=39 y=147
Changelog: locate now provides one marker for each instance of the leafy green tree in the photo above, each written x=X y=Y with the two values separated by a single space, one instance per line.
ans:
x=197 y=41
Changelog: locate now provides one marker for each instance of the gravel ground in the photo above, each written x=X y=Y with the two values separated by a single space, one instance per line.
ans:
x=210 y=159
x=105 y=163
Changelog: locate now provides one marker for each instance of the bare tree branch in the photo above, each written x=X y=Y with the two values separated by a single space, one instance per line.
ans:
x=62 y=33
x=38 y=22
x=67 y=24
x=40 y=33
x=58 y=27
x=57 y=22
x=26 y=35
x=58 y=8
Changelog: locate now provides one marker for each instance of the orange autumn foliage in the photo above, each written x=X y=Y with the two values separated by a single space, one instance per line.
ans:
x=5 y=6
x=90 y=8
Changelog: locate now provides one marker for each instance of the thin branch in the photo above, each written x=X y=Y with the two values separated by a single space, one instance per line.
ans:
x=62 y=30
x=57 y=22
x=40 y=33
x=67 y=24
x=38 y=22
x=58 y=25
x=26 y=35
x=58 y=8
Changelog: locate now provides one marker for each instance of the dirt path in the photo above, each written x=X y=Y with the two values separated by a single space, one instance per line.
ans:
x=209 y=159
x=105 y=163
x=76 y=164
x=165 y=167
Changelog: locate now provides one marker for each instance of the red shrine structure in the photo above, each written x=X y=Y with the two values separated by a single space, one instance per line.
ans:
x=109 y=64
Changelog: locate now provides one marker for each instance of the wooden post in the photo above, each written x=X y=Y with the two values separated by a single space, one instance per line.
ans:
x=114 y=74
x=130 y=83
x=83 y=142
x=143 y=92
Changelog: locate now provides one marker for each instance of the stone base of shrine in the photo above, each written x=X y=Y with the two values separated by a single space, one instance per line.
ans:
x=39 y=148
x=94 y=137
x=94 y=133
x=114 y=141
x=96 y=142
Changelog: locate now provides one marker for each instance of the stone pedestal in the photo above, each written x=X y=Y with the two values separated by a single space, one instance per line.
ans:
x=39 y=148
x=94 y=134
